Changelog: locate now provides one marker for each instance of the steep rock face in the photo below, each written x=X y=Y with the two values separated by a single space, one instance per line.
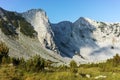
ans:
x=62 y=32
x=87 y=40
x=21 y=38
x=40 y=22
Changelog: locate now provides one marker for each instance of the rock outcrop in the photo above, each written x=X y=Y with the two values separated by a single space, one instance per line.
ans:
x=40 y=22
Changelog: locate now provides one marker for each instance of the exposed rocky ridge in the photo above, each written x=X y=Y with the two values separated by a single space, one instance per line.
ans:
x=85 y=40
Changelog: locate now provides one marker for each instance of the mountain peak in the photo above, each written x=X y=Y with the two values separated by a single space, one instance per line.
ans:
x=35 y=10
x=31 y=14
x=1 y=8
x=85 y=19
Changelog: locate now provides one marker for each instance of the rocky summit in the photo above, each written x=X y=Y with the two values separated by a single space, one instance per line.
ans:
x=85 y=40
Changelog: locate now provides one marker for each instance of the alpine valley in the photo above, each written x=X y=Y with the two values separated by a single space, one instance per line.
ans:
x=31 y=33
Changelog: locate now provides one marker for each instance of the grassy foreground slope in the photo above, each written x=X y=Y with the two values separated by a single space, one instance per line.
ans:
x=37 y=68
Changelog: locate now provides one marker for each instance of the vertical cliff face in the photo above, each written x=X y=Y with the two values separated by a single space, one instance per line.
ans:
x=40 y=22
x=62 y=32
x=71 y=38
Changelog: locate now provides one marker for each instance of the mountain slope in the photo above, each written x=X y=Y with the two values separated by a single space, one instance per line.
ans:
x=91 y=40
x=84 y=40
x=21 y=37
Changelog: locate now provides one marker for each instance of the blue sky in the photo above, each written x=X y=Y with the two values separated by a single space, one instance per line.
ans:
x=70 y=10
